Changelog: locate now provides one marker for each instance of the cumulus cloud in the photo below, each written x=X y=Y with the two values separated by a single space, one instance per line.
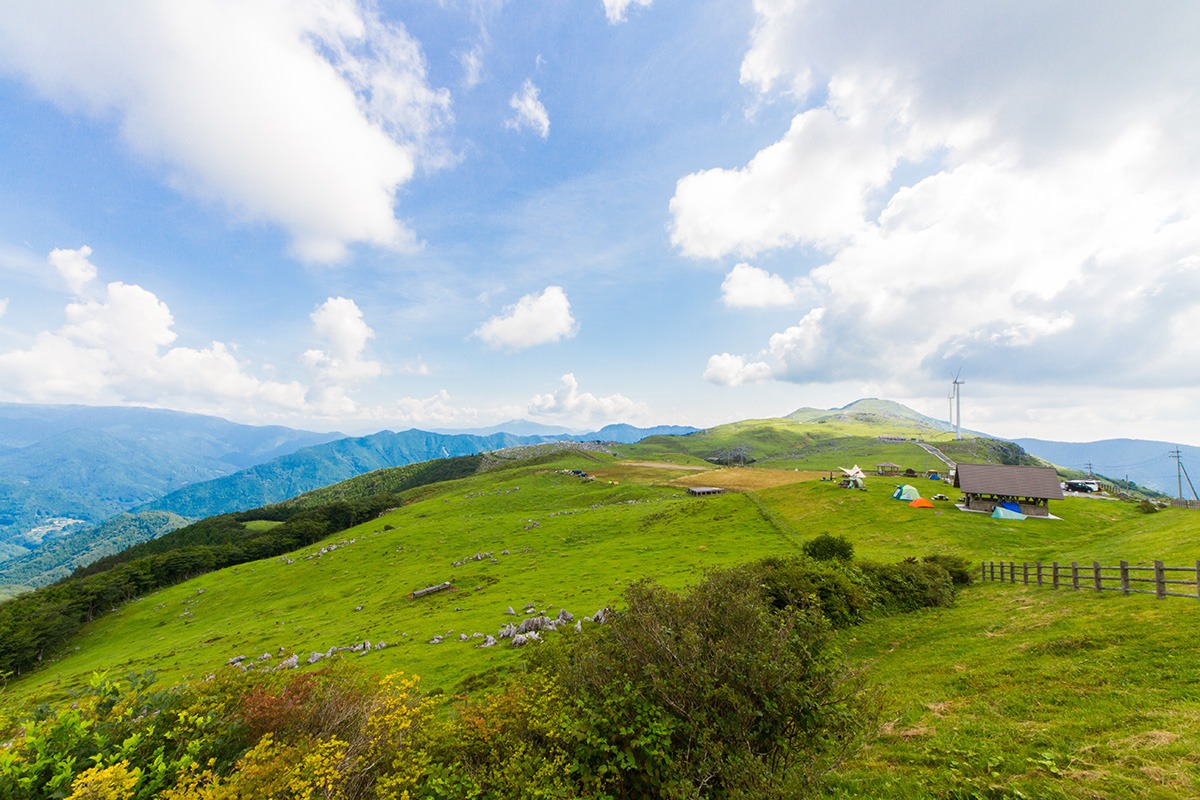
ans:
x=615 y=9
x=309 y=116
x=74 y=267
x=120 y=347
x=747 y=286
x=1017 y=192
x=585 y=407
x=530 y=113
x=535 y=319
x=340 y=322
x=727 y=369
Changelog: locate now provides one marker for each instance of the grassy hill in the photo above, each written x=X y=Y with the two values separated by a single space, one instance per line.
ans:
x=1014 y=692
x=571 y=543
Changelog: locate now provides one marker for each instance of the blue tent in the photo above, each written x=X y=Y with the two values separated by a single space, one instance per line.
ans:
x=1001 y=512
x=1010 y=505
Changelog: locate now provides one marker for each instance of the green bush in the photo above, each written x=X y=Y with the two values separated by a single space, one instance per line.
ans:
x=714 y=693
x=838 y=592
x=960 y=569
x=827 y=547
x=909 y=585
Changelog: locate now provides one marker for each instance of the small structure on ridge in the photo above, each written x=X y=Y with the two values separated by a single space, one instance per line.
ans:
x=989 y=485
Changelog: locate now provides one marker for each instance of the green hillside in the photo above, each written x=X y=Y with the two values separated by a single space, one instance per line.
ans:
x=58 y=558
x=572 y=543
x=1014 y=692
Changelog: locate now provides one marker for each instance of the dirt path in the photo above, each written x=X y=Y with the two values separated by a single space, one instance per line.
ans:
x=664 y=465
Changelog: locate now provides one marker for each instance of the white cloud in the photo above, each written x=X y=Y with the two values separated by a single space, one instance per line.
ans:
x=472 y=64
x=119 y=347
x=615 y=9
x=748 y=286
x=3 y=305
x=307 y=115
x=74 y=267
x=535 y=319
x=1033 y=213
x=727 y=369
x=584 y=407
x=340 y=322
x=530 y=113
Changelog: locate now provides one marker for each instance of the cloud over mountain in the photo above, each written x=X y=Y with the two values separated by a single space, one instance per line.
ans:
x=309 y=116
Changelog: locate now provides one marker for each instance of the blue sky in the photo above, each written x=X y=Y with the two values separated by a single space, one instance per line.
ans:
x=352 y=216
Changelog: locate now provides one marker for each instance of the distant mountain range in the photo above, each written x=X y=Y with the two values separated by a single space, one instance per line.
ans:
x=66 y=469
x=1141 y=461
x=321 y=465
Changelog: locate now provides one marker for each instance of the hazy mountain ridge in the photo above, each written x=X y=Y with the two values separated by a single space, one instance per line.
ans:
x=90 y=463
x=1143 y=461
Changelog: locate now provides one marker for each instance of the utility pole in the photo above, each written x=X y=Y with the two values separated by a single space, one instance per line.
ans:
x=1181 y=473
x=1178 y=456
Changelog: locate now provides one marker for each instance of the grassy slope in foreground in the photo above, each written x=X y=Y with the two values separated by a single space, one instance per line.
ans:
x=1031 y=693
x=1014 y=693
x=573 y=544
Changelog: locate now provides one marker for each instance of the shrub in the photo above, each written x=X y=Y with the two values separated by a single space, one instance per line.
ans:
x=909 y=585
x=961 y=573
x=712 y=693
x=827 y=547
x=835 y=591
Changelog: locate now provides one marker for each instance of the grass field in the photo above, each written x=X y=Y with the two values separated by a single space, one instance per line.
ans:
x=570 y=543
x=1032 y=693
x=1015 y=692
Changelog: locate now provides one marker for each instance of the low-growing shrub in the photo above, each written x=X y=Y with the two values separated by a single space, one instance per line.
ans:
x=958 y=567
x=837 y=591
x=713 y=693
x=828 y=547
x=909 y=585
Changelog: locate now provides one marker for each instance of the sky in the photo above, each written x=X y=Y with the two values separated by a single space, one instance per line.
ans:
x=344 y=215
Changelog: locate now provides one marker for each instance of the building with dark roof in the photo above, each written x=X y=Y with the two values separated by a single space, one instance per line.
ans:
x=987 y=485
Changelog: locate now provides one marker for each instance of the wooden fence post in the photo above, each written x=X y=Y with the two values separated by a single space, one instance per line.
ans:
x=1160 y=586
x=1198 y=578
x=992 y=567
x=1055 y=573
x=1039 y=573
x=1124 y=577
x=1075 y=575
x=982 y=570
x=1025 y=571
x=1096 y=575
x=1012 y=571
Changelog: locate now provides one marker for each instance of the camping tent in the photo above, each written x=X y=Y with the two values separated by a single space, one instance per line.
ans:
x=906 y=492
x=852 y=482
x=853 y=472
x=1003 y=513
x=1010 y=505
x=921 y=502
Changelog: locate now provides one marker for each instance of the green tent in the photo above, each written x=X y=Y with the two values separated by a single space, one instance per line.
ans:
x=906 y=493
x=1003 y=513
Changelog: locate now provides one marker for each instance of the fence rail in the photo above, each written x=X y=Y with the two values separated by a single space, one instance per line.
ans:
x=1124 y=578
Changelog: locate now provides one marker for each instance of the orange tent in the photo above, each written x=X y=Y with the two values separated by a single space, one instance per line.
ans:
x=921 y=502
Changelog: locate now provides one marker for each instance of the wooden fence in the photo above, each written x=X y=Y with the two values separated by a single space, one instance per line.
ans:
x=1123 y=578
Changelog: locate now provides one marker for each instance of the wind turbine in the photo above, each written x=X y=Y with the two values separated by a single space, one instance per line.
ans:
x=957 y=405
